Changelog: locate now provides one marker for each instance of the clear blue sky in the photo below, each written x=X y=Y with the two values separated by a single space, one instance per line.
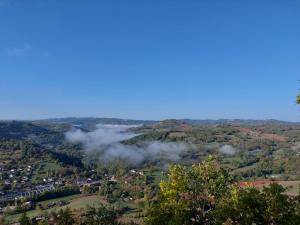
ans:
x=149 y=59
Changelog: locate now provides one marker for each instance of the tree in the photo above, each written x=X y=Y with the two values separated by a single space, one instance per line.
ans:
x=189 y=194
x=281 y=209
x=241 y=206
x=64 y=217
x=86 y=190
x=105 y=188
x=250 y=206
x=25 y=220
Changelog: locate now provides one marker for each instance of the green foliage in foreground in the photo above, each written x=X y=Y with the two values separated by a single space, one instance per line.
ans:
x=204 y=194
x=250 y=206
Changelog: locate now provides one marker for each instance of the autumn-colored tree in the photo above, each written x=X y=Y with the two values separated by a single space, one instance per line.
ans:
x=189 y=194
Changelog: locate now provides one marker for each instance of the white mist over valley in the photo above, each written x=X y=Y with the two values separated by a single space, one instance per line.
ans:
x=107 y=141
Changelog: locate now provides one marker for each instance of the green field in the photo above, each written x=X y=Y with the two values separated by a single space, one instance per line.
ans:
x=77 y=203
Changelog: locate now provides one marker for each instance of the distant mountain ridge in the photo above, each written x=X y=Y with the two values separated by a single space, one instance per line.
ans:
x=80 y=120
x=52 y=131
x=238 y=121
x=89 y=123
x=92 y=121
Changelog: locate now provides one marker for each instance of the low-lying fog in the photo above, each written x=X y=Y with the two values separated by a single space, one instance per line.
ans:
x=106 y=140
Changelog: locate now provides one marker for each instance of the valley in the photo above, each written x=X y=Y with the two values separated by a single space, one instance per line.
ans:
x=42 y=171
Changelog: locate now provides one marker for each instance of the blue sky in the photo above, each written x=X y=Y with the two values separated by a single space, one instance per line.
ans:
x=149 y=59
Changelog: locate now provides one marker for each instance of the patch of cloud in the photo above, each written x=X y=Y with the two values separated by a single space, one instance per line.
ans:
x=171 y=151
x=228 y=150
x=103 y=135
x=106 y=140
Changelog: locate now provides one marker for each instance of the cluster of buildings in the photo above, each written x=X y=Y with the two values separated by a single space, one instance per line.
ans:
x=17 y=177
